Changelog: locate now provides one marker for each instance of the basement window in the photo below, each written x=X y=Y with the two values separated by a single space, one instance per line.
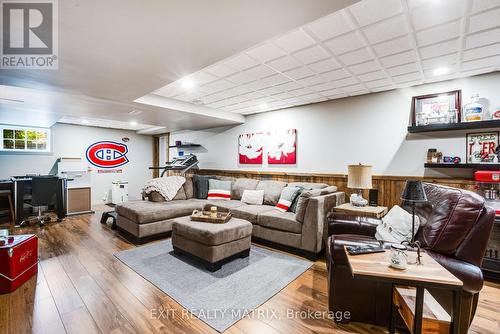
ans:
x=21 y=139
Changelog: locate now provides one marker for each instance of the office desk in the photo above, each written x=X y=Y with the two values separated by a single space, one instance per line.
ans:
x=21 y=186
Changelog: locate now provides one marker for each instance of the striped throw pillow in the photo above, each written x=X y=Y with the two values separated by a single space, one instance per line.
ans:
x=218 y=189
x=288 y=195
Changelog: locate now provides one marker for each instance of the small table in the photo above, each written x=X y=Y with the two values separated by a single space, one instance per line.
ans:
x=429 y=274
x=364 y=211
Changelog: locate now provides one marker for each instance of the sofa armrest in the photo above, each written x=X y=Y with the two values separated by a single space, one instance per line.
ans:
x=314 y=220
x=471 y=275
x=339 y=223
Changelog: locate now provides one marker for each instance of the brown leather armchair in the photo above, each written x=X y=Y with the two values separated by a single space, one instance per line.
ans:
x=455 y=230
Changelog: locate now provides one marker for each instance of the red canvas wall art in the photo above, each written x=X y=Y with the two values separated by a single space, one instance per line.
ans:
x=282 y=147
x=250 y=148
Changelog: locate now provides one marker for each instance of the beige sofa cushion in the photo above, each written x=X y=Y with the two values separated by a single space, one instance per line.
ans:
x=223 y=205
x=250 y=212
x=272 y=191
x=212 y=234
x=243 y=184
x=283 y=221
x=143 y=212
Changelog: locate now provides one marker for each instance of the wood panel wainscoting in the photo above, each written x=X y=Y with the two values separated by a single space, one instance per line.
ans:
x=389 y=187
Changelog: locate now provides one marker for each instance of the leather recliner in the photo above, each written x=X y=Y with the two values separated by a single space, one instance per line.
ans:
x=455 y=228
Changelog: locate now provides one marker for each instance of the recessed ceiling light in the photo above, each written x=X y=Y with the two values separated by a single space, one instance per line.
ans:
x=441 y=71
x=85 y=121
x=187 y=83
x=263 y=106
x=133 y=123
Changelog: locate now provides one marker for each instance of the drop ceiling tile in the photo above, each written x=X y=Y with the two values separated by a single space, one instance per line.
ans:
x=378 y=83
x=345 y=82
x=398 y=59
x=439 y=33
x=299 y=73
x=359 y=92
x=331 y=92
x=284 y=64
x=486 y=20
x=482 y=38
x=331 y=26
x=259 y=72
x=252 y=95
x=370 y=11
x=270 y=91
x=188 y=96
x=292 y=101
x=301 y=91
x=369 y=66
x=480 y=5
x=219 y=85
x=201 y=77
x=480 y=63
x=485 y=51
x=386 y=30
x=372 y=76
x=277 y=79
x=434 y=13
x=432 y=77
x=381 y=89
x=238 y=90
x=325 y=65
x=352 y=88
x=447 y=60
x=323 y=87
x=265 y=52
x=256 y=85
x=240 y=62
x=407 y=77
x=345 y=43
x=312 y=80
x=294 y=41
x=336 y=75
x=356 y=57
x=220 y=70
x=439 y=49
x=240 y=78
x=311 y=55
x=212 y=98
x=283 y=96
x=310 y=97
x=397 y=45
x=289 y=86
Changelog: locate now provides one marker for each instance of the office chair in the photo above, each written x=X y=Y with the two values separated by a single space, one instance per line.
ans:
x=44 y=193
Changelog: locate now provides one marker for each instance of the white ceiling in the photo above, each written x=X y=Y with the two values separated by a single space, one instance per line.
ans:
x=113 y=52
x=371 y=46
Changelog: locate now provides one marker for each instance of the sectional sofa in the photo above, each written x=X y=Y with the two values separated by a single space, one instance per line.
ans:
x=142 y=221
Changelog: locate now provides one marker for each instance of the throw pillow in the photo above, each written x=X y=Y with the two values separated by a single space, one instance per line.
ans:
x=218 y=189
x=255 y=197
x=272 y=190
x=396 y=226
x=200 y=185
x=288 y=195
x=293 y=207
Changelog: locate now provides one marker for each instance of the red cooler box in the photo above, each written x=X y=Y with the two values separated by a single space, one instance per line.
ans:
x=18 y=261
x=487 y=176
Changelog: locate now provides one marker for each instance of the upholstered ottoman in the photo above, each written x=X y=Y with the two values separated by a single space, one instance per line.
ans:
x=212 y=244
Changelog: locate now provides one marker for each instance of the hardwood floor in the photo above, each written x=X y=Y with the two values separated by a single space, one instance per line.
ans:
x=82 y=288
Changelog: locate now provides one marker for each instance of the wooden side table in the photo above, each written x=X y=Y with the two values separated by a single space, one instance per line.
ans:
x=429 y=274
x=364 y=211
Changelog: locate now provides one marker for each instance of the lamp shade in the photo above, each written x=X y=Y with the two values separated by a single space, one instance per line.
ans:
x=359 y=176
x=414 y=192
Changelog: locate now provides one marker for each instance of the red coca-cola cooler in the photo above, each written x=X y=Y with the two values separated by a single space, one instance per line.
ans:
x=18 y=261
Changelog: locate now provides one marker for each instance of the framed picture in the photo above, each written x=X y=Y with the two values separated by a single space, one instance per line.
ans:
x=250 y=147
x=481 y=147
x=441 y=108
x=282 y=147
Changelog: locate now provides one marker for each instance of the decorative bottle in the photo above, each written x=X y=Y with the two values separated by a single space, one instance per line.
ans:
x=473 y=111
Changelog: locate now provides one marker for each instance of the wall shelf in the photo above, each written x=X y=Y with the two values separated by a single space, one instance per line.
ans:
x=185 y=146
x=464 y=165
x=455 y=126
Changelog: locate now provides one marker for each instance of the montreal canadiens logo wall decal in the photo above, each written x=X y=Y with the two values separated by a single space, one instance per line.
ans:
x=107 y=154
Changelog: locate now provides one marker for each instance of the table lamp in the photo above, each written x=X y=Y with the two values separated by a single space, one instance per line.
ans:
x=414 y=193
x=359 y=177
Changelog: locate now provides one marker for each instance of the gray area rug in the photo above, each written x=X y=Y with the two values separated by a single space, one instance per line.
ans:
x=220 y=298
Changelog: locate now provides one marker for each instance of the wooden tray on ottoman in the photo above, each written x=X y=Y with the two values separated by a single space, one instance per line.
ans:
x=204 y=216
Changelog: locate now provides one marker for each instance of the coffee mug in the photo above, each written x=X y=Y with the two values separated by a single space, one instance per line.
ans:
x=398 y=256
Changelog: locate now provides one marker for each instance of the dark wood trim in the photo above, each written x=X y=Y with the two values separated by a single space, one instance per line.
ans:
x=156 y=155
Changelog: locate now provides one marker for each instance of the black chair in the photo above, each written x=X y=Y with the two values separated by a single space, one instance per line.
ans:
x=44 y=193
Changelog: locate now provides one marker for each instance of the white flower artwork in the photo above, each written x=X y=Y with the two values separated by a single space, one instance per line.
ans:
x=282 y=147
x=250 y=147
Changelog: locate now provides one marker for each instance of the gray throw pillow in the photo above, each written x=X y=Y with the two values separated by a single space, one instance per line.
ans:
x=218 y=189
x=293 y=208
x=200 y=185
x=288 y=195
